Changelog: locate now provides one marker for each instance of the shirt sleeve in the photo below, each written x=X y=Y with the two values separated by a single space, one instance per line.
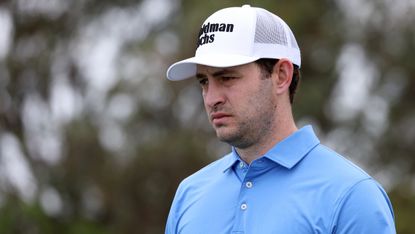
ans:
x=171 y=224
x=172 y=219
x=365 y=208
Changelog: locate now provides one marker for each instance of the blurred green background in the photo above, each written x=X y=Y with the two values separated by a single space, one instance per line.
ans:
x=94 y=139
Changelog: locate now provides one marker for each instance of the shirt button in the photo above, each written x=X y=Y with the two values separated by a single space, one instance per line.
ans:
x=248 y=184
x=244 y=206
x=241 y=165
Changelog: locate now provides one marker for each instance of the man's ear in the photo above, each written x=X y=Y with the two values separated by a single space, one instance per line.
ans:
x=282 y=75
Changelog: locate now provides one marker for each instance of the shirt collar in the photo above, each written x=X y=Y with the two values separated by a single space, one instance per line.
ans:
x=231 y=159
x=287 y=152
x=295 y=147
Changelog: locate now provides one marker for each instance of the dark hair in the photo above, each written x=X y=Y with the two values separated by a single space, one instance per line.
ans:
x=267 y=65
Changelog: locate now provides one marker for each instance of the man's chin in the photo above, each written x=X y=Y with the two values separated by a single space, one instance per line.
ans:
x=223 y=134
x=226 y=135
x=233 y=137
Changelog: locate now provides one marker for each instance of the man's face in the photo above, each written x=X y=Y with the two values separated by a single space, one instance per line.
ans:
x=239 y=101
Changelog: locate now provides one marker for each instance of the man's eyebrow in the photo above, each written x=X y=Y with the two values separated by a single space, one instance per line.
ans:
x=200 y=75
x=215 y=74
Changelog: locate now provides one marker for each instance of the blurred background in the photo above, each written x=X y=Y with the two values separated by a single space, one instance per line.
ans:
x=94 y=139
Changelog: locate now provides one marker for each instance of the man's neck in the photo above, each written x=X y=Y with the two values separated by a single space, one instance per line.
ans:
x=282 y=130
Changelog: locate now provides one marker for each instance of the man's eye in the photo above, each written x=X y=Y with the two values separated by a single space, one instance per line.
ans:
x=203 y=81
x=226 y=78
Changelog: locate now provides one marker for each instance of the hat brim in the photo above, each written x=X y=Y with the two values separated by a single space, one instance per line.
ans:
x=187 y=68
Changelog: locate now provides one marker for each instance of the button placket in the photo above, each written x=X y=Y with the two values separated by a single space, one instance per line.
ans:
x=243 y=170
x=243 y=167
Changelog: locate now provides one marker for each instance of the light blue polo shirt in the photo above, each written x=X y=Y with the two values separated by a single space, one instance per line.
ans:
x=299 y=186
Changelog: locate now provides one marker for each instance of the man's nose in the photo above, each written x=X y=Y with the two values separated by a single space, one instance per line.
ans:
x=213 y=96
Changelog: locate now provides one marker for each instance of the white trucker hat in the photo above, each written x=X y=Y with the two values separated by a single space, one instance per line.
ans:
x=239 y=35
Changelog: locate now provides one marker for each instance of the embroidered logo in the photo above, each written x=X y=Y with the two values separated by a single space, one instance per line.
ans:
x=207 y=32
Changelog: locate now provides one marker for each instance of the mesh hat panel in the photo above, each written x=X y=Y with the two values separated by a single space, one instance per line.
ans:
x=269 y=30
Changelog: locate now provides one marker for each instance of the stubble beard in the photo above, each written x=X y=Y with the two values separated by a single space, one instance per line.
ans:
x=245 y=134
x=251 y=127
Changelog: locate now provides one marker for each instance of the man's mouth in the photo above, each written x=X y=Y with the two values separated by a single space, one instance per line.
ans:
x=219 y=118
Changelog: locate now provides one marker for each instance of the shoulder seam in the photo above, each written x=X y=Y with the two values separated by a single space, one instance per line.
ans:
x=341 y=200
x=348 y=161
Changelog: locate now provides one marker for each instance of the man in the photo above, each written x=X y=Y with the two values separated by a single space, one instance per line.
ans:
x=277 y=179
